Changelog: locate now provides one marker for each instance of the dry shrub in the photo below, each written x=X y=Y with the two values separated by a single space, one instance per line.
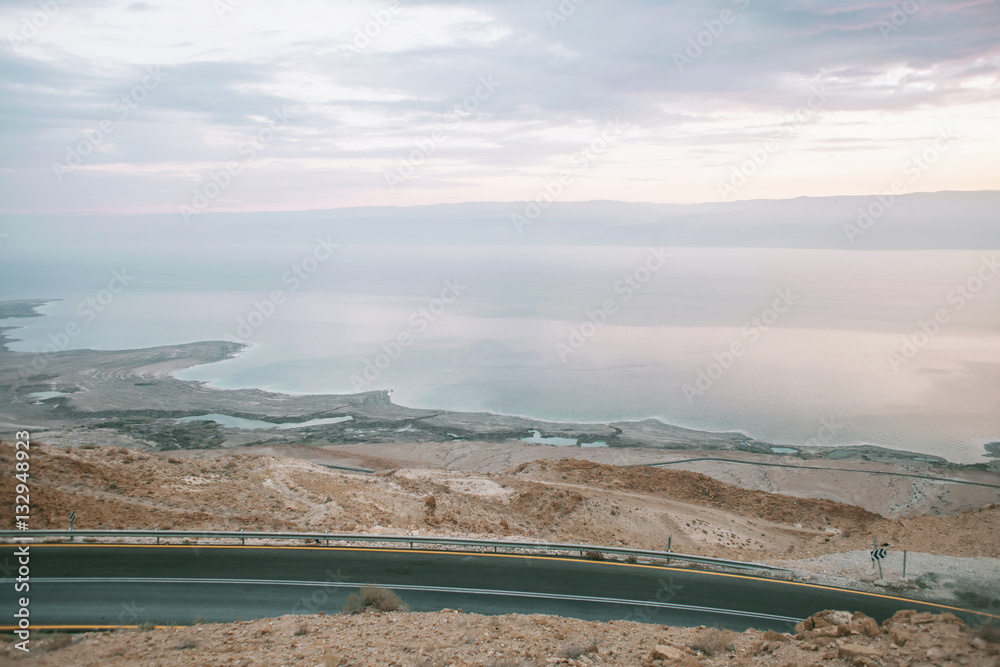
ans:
x=374 y=597
x=302 y=630
x=989 y=631
x=574 y=650
x=57 y=641
x=713 y=641
x=594 y=555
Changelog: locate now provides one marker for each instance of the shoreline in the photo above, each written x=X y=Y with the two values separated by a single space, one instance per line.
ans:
x=122 y=389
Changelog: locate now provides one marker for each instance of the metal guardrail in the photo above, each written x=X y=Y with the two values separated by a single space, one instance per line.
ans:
x=393 y=539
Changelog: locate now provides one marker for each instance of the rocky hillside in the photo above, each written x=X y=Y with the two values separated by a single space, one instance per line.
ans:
x=454 y=639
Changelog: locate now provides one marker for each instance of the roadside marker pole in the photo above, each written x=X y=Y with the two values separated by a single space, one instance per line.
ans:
x=904 y=563
x=669 y=542
x=874 y=559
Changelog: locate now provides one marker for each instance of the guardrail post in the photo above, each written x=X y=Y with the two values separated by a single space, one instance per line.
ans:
x=243 y=540
x=670 y=541
x=157 y=537
x=904 y=563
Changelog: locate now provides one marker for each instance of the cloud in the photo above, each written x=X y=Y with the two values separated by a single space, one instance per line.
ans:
x=368 y=83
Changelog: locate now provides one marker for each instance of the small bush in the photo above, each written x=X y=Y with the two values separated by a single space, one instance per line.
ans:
x=302 y=630
x=713 y=641
x=376 y=598
x=57 y=641
x=989 y=631
x=574 y=650
x=147 y=625
x=594 y=555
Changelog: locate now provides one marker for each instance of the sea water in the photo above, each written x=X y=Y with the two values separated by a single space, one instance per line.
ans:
x=820 y=347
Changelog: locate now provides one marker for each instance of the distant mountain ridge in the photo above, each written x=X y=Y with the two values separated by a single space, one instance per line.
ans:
x=938 y=220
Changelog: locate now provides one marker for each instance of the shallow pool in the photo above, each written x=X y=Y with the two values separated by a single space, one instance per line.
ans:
x=252 y=424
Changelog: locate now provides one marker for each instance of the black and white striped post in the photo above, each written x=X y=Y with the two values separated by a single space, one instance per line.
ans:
x=878 y=554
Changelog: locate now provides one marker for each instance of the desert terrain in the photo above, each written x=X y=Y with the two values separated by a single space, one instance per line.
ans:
x=455 y=639
x=952 y=558
x=109 y=446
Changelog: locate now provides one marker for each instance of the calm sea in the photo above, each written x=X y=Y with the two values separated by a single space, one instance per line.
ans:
x=894 y=348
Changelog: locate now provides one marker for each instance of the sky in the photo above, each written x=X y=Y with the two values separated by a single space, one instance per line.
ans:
x=243 y=105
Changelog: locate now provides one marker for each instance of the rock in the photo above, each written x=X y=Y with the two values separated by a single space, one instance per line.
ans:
x=864 y=625
x=921 y=617
x=948 y=617
x=831 y=631
x=772 y=636
x=900 y=636
x=821 y=619
x=669 y=655
x=662 y=652
x=899 y=617
x=851 y=652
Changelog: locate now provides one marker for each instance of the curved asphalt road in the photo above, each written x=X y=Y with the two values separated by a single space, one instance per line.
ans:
x=88 y=586
x=950 y=480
